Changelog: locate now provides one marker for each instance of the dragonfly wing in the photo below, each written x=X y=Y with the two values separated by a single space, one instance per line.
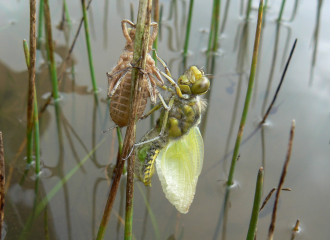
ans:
x=178 y=167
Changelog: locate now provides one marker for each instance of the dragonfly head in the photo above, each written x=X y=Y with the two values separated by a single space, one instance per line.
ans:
x=193 y=82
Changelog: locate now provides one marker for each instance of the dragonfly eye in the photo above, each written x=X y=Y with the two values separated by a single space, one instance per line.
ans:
x=201 y=86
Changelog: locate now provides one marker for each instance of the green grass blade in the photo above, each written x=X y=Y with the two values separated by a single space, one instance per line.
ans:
x=248 y=96
x=256 y=206
x=89 y=47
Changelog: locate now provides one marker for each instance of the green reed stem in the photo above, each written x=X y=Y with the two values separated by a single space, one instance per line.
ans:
x=120 y=140
x=50 y=49
x=35 y=113
x=248 y=95
x=186 y=44
x=89 y=48
x=40 y=22
x=36 y=133
x=216 y=26
x=281 y=11
x=256 y=206
x=248 y=9
x=212 y=27
x=67 y=15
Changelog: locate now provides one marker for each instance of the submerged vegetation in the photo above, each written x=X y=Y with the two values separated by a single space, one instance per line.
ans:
x=53 y=163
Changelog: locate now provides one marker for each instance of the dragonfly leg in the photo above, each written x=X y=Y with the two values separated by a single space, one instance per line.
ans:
x=161 y=132
x=112 y=91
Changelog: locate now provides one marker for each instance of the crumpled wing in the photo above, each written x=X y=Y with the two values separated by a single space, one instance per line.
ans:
x=178 y=167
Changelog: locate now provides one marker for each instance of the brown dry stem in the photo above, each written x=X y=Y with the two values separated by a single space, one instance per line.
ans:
x=280 y=184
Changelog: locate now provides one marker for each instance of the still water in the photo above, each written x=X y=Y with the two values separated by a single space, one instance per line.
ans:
x=76 y=209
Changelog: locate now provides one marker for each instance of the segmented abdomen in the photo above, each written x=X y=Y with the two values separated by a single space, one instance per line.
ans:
x=146 y=155
x=120 y=101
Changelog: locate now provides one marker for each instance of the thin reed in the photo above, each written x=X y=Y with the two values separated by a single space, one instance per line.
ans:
x=256 y=206
x=280 y=184
x=281 y=11
x=50 y=50
x=140 y=52
x=214 y=29
x=280 y=84
x=186 y=44
x=89 y=47
x=248 y=95
x=40 y=23
x=32 y=69
x=66 y=10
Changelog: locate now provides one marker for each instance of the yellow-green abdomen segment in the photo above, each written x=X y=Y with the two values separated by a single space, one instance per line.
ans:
x=146 y=157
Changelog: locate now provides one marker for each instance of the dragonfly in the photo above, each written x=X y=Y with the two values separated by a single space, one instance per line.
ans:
x=175 y=144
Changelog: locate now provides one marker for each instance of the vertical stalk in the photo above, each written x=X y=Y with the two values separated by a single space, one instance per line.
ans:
x=2 y=184
x=155 y=46
x=216 y=26
x=248 y=96
x=256 y=206
x=211 y=28
x=156 y=19
x=248 y=9
x=50 y=48
x=281 y=11
x=140 y=52
x=89 y=48
x=280 y=184
x=191 y=6
x=141 y=44
x=67 y=15
x=40 y=21
x=32 y=68
x=36 y=128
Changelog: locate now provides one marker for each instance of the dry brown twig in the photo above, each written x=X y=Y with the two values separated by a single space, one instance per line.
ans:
x=280 y=184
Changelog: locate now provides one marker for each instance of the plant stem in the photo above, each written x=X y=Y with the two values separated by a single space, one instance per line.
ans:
x=141 y=41
x=67 y=15
x=281 y=11
x=2 y=184
x=89 y=48
x=50 y=49
x=280 y=184
x=256 y=206
x=248 y=96
x=186 y=44
x=41 y=17
x=280 y=84
x=248 y=9
x=141 y=44
x=216 y=26
x=32 y=68
x=156 y=19
x=211 y=28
